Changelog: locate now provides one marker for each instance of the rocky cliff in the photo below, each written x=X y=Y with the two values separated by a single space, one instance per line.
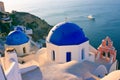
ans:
x=39 y=26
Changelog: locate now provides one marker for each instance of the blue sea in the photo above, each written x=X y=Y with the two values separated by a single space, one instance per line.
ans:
x=106 y=13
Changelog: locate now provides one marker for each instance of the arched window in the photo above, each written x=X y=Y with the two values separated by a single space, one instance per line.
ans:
x=82 y=54
x=109 y=54
x=104 y=54
x=24 y=50
x=107 y=43
x=53 y=55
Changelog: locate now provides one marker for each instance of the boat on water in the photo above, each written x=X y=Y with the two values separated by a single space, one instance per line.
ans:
x=90 y=17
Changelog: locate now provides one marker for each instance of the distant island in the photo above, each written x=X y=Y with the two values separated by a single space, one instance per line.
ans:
x=39 y=26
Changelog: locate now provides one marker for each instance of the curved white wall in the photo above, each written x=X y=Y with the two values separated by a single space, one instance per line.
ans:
x=115 y=75
x=113 y=67
x=19 y=48
x=101 y=71
x=42 y=57
x=60 y=51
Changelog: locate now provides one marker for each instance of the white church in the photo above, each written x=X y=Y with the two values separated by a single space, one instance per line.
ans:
x=66 y=42
x=19 y=40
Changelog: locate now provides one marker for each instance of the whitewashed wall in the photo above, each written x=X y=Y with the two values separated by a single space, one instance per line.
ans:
x=113 y=67
x=101 y=71
x=60 y=51
x=13 y=72
x=91 y=57
x=19 y=48
x=2 y=77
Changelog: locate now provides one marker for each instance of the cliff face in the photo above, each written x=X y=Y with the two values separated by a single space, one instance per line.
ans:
x=40 y=27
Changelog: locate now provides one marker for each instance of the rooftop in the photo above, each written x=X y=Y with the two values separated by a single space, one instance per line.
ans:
x=69 y=34
x=16 y=38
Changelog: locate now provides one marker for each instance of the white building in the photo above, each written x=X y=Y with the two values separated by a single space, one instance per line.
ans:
x=66 y=42
x=20 y=41
x=9 y=69
x=24 y=29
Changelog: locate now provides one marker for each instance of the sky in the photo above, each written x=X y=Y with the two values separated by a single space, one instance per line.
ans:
x=18 y=4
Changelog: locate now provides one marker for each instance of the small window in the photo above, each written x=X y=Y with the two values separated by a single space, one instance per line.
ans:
x=24 y=50
x=104 y=54
x=83 y=54
x=53 y=55
x=107 y=43
x=109 y=54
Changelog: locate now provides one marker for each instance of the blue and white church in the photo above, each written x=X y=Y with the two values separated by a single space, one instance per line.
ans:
x=66 y=42
x=18 y=40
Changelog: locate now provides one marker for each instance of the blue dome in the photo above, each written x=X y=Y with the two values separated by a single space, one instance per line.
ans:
x=66 y=33
x=19 y=28
x=16 y=37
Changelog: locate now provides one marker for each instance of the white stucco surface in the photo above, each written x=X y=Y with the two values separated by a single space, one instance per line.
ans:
x=19 y=48
x=76 y=51
x=115 y=75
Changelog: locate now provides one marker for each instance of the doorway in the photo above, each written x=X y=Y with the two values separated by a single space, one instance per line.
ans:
x=68 y=56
